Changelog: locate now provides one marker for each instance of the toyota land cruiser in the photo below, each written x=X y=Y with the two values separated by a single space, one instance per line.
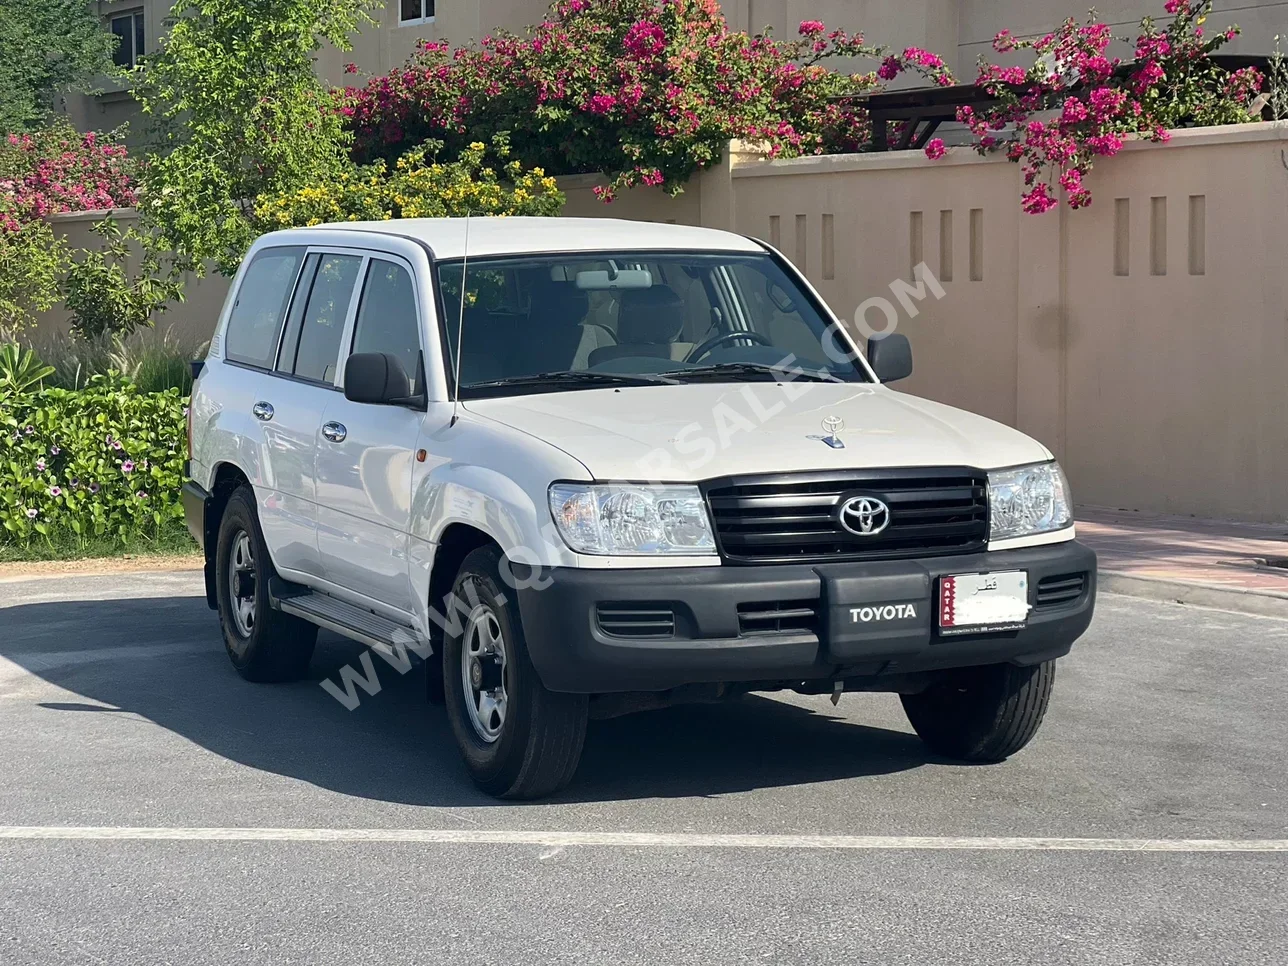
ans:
x=584 y=467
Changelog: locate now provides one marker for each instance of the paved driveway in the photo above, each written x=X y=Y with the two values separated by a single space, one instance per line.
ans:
x=119 y=712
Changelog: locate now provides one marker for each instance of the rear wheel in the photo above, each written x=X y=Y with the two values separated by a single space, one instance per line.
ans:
x=982 y=714
x=518 y=739
x=264 y=644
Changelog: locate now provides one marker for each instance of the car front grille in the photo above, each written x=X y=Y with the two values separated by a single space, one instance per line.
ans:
x=795 y=517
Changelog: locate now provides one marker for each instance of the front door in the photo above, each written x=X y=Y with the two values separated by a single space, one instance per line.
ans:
x=291 y=405
x=366 y=453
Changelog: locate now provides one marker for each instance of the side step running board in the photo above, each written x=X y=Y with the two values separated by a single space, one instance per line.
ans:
x=345 y=618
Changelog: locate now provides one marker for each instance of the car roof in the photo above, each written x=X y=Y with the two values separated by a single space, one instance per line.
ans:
x=496 y=235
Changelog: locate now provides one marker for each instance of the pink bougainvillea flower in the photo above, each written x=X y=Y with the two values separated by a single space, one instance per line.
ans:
x=1039 y=200
x=1074 y=111
x=889 y=69
x=810 y=27
x=601 y=104
x=935 y=149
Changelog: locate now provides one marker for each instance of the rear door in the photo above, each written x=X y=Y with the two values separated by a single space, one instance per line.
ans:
x=365 y=453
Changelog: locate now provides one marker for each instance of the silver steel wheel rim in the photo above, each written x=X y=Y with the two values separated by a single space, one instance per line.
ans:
x=485 y=673
x=241 y=560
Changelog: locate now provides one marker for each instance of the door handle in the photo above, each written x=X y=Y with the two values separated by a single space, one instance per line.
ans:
x=335 y=432
x=263 y=411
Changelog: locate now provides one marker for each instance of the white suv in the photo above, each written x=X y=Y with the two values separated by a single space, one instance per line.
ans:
x=586 y=467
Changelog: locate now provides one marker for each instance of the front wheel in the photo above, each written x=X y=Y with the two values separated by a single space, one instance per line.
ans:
x=518 y=739
x=982 y=714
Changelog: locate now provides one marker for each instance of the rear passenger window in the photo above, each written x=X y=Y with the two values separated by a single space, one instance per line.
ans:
x=387 y=319
x=255 y=322
x=322 y=325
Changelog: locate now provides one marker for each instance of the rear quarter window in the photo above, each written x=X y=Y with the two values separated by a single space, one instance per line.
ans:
x=255 y=323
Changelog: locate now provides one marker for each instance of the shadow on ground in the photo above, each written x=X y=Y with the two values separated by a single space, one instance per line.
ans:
x=163 y=659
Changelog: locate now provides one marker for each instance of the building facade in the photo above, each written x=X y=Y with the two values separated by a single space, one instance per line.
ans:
x=959 y=30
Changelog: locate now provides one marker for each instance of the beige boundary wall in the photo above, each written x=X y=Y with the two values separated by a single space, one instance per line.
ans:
x=1144 y=340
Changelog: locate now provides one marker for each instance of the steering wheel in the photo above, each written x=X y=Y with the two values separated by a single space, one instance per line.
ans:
x=724 y=337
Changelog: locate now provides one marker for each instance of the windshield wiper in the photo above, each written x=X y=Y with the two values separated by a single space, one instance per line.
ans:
x=573 y=377
x=733 y=370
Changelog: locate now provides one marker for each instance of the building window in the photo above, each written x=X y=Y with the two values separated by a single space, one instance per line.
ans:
x=416 y=11
x=128 y=29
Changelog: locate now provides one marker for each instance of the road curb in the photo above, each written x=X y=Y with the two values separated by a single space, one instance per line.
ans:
x=1263 y=603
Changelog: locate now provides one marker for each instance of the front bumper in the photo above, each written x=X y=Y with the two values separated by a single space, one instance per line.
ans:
x=718 y=624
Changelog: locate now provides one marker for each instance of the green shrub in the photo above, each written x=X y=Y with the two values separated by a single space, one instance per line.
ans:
x=32 y=261
x=103 y=462
x=20 y=370
x=153 y=361
x=419 y=187
x=105 y=298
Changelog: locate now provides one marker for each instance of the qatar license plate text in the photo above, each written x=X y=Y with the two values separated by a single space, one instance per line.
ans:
x=983 y=603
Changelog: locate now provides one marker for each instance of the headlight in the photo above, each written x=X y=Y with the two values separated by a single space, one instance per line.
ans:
x=621 y=518
x=1028 y=500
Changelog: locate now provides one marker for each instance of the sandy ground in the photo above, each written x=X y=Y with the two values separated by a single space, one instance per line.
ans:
x=99 y=565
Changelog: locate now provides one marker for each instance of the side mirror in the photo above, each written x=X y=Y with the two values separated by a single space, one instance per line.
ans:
x=890 y=357
x=377 y=378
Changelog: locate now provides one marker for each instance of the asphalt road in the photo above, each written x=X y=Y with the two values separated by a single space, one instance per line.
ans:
x=119 y=711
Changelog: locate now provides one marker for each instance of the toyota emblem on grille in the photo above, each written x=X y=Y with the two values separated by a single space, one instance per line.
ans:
x=864 y=516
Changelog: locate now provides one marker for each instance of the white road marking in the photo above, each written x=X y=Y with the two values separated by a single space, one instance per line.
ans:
x=661 y=840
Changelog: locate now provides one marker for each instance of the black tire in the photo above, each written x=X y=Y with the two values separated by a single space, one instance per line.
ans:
x=271 y=646
x=539 y=738
x=982 y=714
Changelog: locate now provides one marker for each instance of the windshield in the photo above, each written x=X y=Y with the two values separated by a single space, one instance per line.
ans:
x=574 y=321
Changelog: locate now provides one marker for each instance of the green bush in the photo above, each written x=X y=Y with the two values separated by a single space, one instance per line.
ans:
x=154 y=361
x=105 y=298
x=32 y=261
x=104 y=463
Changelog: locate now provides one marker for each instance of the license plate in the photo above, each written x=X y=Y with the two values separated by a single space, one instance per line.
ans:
x=981 y=603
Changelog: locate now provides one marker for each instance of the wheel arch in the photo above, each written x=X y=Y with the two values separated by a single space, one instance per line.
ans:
x=457 y=542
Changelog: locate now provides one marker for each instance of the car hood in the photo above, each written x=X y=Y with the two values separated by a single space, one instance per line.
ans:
x=697 y=432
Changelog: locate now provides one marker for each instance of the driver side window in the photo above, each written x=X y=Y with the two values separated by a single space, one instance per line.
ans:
x=774 y=314
x=388 y=320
